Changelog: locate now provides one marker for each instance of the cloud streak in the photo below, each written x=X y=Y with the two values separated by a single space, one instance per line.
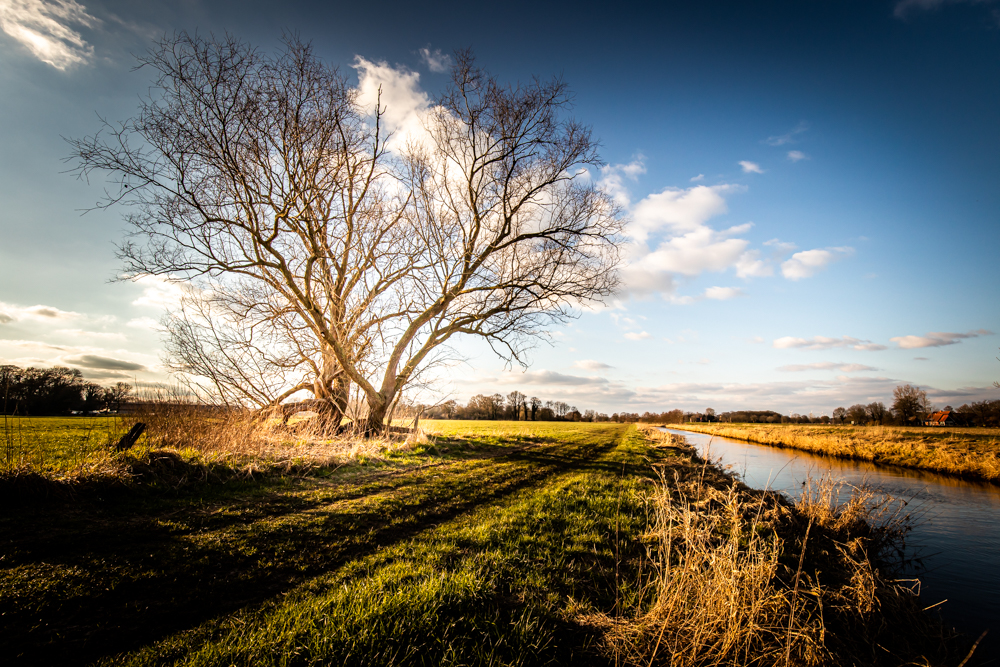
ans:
x=11 y=313
x=436 y=61
x=936 y=339
x=789 y=137
x=825 y=343
x=46 y=30
x=826 y=366
x=104 y=363
x=808 y=263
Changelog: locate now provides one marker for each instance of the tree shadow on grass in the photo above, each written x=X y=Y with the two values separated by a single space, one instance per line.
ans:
x=137 y=575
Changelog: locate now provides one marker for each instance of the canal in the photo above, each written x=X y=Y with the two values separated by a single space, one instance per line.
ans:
x=956 y=536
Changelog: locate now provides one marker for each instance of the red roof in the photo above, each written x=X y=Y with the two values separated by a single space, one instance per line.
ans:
x=940 y=416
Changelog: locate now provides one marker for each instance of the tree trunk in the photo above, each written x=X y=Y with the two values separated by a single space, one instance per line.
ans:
x=375 y=423
x=332 y=390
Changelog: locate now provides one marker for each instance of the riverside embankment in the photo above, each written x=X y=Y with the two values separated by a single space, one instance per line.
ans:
x=967 y=452
x=955 y=541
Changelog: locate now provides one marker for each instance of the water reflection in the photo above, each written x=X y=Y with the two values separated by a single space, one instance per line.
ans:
x=957 y=537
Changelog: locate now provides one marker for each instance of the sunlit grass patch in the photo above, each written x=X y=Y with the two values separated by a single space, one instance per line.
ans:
x=59 y=445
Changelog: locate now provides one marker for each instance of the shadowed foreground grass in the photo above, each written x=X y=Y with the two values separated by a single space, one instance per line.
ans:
x=482 y=544
x=971 y=452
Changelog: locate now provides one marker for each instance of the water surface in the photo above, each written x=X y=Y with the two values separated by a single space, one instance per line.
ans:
x=956 y=537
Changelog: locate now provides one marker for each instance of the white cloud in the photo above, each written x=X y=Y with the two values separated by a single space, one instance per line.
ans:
x=795 y=156
x=936 y=339
x=544 y=377
x=827 y=366
x=825 y=343
x=788 y=137
x=591 y=365
x=38 y=313
x=691 y=254
x=680 y=210
x=435 y=60
x=808 y=263
x=613 y=178
x=103 y=335
x=43 y=27
x=143 y=323
x=404 y=102
x=750 y=167
x=160 y=292
x=638 y=336
x=749 y=265
x=699 y=177
x=723 y=293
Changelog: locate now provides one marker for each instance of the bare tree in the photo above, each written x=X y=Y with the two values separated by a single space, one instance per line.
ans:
x=877 y=412
x=910 y=404
x=261 y=176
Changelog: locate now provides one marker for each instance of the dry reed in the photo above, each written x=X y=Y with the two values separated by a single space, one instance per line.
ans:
x=745 y=578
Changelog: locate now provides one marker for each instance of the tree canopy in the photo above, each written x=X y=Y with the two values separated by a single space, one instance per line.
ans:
x=324 y=256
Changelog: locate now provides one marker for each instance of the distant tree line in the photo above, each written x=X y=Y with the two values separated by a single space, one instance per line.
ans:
x=56 y=391
x=910 y=406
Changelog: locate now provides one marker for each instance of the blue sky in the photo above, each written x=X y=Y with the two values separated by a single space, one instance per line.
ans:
x=812 y=186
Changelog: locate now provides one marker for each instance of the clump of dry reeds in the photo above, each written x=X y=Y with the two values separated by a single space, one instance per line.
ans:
x=745 y=578
x=713 y=598
x=255 y=441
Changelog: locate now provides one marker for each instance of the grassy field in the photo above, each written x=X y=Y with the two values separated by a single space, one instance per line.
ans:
x=56 y=444
x=973 y=452
x=483 y=543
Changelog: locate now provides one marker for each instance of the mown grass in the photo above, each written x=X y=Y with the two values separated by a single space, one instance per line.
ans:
x=479 y=544
x=968 y=452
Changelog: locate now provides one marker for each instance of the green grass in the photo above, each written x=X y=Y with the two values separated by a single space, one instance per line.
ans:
x=485 y=551
x=55 y=444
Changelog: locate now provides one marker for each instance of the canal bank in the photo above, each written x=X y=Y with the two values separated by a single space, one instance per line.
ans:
x=955 y=542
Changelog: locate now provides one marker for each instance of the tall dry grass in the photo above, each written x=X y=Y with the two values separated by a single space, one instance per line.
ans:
x=974 y=454
x=745 y=578
x=247 y=440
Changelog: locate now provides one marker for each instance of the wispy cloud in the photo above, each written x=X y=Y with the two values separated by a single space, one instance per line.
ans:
x=12 y=313
x=795 y=156
x=825 y=343
x=699 y=177
x=104 y=363
x=644 y=335
x=591 y=365
x=827 y=366
x=46 y=29
x=159 y=292
x=614 y=177
x=936 y=339
x=143 y=323
x=723 y=293
x=435 y=60
x=750 y=167
x=789 y=137
x=808 y=263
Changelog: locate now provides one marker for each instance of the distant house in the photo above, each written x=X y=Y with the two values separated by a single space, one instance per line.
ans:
x=941 y=418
